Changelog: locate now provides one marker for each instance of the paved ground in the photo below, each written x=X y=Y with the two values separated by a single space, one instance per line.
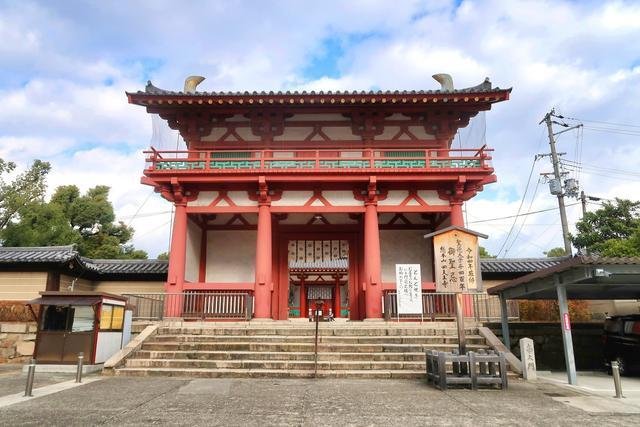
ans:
x=139 y=401
x=12 y=381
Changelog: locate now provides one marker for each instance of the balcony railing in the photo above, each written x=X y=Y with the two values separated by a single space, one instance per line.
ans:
x=192 y=305
x=442 y=305
x=273 y=161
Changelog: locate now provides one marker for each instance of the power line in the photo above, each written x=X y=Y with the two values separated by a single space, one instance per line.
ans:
x=535 y=159
x=522 y=214
x=599 y=121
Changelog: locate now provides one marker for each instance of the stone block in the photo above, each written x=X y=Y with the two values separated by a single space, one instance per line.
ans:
x=25 y=348
x=14 y=328
x=7 y=353
x=29 y=337
x=32 y=328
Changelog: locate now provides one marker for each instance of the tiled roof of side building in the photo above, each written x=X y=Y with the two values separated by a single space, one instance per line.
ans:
x=39 y=254
x=128 y=266
x=518 y=265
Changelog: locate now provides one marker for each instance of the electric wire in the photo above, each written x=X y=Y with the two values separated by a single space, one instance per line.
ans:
x=524 y=220
x=526 y=189
x=522 y=214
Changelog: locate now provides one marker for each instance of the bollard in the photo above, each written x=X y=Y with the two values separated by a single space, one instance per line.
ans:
x=615 y=372
x=30 y=376
x=79 y=369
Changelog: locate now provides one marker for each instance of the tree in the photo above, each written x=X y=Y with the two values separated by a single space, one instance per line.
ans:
x=555 y=252
x=163 y=256
x=71 y=218
x=613 y=230
x=24 y=189
x=484 y=253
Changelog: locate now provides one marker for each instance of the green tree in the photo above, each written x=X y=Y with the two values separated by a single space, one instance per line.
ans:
x=85 y=220
x=163 y=256
x=21 y=191
x=555 y=252
x=484 y=253
x=613 y=230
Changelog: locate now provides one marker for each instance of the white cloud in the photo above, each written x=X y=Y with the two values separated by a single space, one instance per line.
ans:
x=65 y=69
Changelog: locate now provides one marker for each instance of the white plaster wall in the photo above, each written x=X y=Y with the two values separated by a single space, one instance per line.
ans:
x=317 y=118
x=241 y=198
x=247 y=134
x=420 y=133
x=340 y=133
x=394 y=198
x=204 y=198
x=231 y=256
x=405 y=247
x=432 y=198
x=294 y=134
x=192 y=264
x=341 y=198
x=293 y=198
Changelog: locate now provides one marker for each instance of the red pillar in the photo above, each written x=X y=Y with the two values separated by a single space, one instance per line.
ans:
x=264 y=279
x=456 y=214
x=177 y=258
x=372 y=269
x=336 y=299
x=303 y=297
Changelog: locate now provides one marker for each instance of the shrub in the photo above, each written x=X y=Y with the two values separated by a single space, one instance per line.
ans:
x=548 y=311
x=16 y=311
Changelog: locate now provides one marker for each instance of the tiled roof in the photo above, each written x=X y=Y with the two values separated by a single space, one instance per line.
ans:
x=518 y=265
x=485 y=86
x=63 y=254
x=482 y=93
x=49 y=254
x=335 y=264
x=128 y=266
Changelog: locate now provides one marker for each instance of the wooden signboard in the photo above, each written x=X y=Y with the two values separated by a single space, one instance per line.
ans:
x=456 y=260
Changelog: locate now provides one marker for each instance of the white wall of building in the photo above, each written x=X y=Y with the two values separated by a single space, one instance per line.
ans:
x=405 y=247
x=231 y=256
x=192 y=264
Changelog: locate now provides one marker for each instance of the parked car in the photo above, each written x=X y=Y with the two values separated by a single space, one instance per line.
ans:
x=621 y=340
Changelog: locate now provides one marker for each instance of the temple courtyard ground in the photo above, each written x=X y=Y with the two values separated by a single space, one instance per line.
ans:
x=304 y=402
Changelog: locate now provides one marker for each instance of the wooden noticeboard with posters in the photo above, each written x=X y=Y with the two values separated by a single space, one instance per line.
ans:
x=456 y=260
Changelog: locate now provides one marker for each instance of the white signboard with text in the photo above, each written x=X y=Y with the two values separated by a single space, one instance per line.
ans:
x=409 y=288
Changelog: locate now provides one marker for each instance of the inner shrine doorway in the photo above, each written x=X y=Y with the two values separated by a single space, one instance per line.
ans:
x=319 y=267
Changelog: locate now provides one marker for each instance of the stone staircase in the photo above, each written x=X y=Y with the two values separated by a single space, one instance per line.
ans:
x=286 y=350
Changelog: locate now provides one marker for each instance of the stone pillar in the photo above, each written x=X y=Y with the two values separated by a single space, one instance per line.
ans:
x=528 y=357
x=177 y=261
x=263 y=283
x=456 y=213
x=372 y=268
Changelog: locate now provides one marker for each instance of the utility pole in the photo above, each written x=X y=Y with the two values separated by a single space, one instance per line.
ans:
x=583 y=199
x=556 y=173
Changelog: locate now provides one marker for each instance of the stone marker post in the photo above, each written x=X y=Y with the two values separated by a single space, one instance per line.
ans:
x=528 y=356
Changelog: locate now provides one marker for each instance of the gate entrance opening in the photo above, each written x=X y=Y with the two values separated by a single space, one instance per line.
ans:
x=318 y=270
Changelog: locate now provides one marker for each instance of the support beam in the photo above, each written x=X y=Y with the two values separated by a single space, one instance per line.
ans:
x=263 y=264
x=565 y=325
x=504 y=316
x=372 y=268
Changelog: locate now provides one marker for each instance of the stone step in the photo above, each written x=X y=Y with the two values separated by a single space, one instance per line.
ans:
x=301 y=347
x=356 y=339
x=247 y=355
x=274 y=364
x=269 y=373
x=310 y=331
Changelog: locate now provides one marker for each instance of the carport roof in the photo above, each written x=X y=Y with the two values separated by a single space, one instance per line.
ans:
x=585 y=277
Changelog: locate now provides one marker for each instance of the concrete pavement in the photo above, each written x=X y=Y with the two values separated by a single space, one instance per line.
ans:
x=141 y=401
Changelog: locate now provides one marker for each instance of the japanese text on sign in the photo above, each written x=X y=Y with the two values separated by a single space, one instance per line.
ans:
x=456 y=262
x=409 y=288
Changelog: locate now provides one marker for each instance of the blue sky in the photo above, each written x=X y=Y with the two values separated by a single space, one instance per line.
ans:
x=64 y=67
